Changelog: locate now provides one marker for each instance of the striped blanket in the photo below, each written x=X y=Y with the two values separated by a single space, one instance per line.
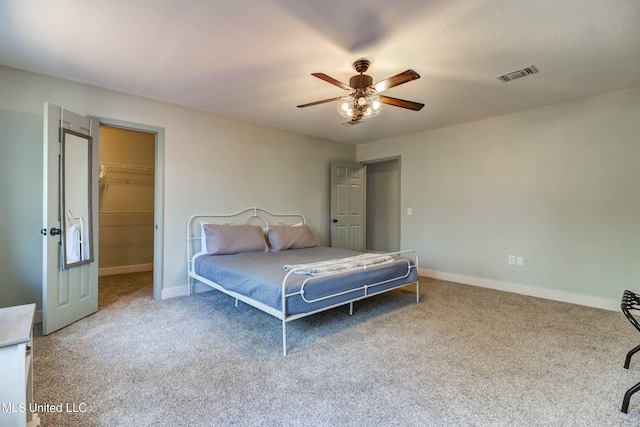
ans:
x=336 y=265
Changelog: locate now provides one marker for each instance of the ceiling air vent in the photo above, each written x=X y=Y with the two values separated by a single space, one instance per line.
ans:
x=524 y=72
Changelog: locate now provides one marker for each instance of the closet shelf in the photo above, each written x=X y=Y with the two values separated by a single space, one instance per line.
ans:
x=123 y=167
x=121 y=173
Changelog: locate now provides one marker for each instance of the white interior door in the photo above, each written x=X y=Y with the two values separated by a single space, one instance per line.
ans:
x=348 y=205
x=69 y=294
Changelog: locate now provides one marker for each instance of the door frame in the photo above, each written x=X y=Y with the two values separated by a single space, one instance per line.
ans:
x=158 y=200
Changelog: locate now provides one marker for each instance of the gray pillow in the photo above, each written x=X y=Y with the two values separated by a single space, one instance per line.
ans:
x=233 y=239
x=285 y=237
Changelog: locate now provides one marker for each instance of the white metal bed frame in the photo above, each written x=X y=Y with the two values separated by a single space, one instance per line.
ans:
x=262 y=216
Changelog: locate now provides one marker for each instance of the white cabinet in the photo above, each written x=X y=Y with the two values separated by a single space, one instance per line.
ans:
x=16 y=366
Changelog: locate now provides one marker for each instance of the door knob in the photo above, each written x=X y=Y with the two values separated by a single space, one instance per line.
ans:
x=55 y=231
x=334 y=220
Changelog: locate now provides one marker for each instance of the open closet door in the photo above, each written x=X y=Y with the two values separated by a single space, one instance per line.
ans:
x=348 y=205
x=70 y=179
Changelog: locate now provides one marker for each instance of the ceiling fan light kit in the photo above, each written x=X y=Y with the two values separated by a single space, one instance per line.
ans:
x=359 y=105
x=363 y=100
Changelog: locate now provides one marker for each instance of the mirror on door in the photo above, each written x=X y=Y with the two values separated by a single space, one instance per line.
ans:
x=75 y=204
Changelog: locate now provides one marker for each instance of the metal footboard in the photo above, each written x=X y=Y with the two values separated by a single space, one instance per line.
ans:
x=411 y=264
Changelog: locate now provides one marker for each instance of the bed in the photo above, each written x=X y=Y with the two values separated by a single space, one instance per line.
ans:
x=271 y=262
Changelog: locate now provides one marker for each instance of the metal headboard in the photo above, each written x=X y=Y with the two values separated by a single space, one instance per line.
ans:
x=252 y=215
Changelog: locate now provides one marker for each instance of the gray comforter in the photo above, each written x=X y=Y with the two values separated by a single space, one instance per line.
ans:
x=259 y=276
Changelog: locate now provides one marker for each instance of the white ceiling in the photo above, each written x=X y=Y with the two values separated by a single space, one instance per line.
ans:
x=253 y=59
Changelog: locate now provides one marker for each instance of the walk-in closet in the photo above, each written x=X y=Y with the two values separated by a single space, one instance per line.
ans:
x=126 y=191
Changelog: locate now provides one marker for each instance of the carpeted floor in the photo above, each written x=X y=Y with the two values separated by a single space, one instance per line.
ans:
x=463 y=356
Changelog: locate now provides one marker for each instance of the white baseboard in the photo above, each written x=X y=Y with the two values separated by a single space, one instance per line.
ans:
x=534 y=291
x=180 y=291
x=176 y=291
x=108 y=271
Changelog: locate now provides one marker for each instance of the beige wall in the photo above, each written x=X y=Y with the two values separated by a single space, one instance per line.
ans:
x=557 y=186
x=118 y=145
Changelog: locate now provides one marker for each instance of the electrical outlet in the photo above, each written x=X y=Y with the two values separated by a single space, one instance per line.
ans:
x=511 y=260
x=520 y=261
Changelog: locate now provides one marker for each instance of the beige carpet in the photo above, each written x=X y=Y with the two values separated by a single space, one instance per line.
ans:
x=463 y=356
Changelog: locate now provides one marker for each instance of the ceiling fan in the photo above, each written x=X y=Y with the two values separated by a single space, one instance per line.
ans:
x=363 y=100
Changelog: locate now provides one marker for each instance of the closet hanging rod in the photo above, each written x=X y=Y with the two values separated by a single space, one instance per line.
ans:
x=126 y=213
x=126 y=166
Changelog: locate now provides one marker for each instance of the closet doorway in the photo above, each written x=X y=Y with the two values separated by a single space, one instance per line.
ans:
x=127 y=175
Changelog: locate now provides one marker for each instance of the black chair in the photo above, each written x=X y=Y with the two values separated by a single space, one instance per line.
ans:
x=630 y=301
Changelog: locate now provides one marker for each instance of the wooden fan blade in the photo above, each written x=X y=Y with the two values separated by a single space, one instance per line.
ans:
x=396 y=80
x=331 y=80
x=319 y=102
x=410 y=105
